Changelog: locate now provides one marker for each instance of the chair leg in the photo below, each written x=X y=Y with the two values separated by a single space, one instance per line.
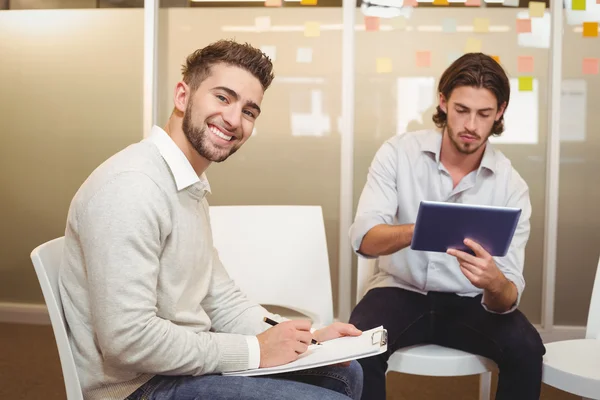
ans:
x=485 y=385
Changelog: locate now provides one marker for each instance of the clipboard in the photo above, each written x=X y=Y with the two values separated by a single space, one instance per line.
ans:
x=369 y=343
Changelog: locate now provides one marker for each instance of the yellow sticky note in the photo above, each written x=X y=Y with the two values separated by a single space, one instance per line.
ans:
x=496 y=58
x=312 y=29
x=578 y=5
x=272 y=3
x=481 y=25
x=591 y=66
x=384 y=65
x=526 y=83
x=590 y=29
x=441 y=3
x=423 y=59
x=371 y=24
x=473 y=46
x=536 y=9
x=308 y=2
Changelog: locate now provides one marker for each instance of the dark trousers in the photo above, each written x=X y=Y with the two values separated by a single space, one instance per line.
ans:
x=449 y=320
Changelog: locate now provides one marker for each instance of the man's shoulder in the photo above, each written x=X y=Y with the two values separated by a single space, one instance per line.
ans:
x=506 y=170
x=414 y=141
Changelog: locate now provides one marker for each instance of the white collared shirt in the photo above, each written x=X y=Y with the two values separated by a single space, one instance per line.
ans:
x=185 y=176
x=407 y=170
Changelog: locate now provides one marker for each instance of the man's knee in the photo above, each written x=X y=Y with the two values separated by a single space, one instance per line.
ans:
x=525 y=347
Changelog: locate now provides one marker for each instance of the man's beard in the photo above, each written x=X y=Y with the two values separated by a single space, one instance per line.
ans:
x=464 y=148
x=200 y=141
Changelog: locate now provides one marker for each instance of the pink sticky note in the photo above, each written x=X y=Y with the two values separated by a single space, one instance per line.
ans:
x=523 y=25
x=411 y=3
x=525 y=64
x=371 y=23
x=423 y=59
x=591 y=66
x=473 y=3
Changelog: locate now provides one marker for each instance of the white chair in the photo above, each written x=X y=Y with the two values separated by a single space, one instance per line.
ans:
x=574 y=365
x=277 y=255
x=431 y=359
x=46 y=260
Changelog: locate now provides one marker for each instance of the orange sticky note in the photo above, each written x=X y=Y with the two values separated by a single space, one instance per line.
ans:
x=441 y=3
x=472 y=3
x=423 y=59
x=481 y=25
x=526 y=83
x=590 y=29
x=523 y=25
x=312 y=29
x=384 y=65
x=473 y=46
x=537 y=8
x=591 y=66
x=525 y=64
x=496 y=58
x=272 y=3
x=308 y=2
x=371 y=24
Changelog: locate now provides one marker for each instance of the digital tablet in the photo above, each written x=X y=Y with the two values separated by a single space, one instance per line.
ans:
x=441 y=226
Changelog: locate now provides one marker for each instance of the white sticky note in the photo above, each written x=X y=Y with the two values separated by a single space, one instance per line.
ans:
x=511 y=3
x=262 y=23
x=304 y=55
x=270 y=51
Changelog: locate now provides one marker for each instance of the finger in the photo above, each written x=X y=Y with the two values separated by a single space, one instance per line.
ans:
x=474 y=269
x=476 y=247
x=462 y=256
x=304 y=337
x=301 y=324
x=299 y=347
x=348 y=330
x=469 y=275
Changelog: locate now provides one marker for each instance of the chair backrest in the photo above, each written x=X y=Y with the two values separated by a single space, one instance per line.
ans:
x=277 y=255
x=592 y=330
x=365 y=267
x=46 y=260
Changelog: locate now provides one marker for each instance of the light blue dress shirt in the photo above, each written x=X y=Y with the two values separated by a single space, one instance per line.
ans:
x=407 y=170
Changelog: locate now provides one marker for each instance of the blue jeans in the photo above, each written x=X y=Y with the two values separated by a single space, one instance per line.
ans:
x=325 y=383
x=452 y=321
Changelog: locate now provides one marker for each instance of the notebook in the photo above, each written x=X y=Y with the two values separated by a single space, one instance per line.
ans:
x=369 y=343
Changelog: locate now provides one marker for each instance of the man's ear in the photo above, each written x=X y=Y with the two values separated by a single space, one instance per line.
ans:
x=500 y=112
x=181 y=96
x=443 y=103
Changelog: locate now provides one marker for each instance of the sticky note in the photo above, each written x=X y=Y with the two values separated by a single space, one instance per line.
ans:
x=591 y=66
x=371 y=24
x=441 y=3
x=590 y=29
x=312 y=29
x=526 y=83
x=410 y=3
x=384 y=65
x=472 y=3
x=473 y=46
x=399 y=23
x=481 y=25
x=525 y=64
x=523 y=25
x=511 y=3
x=578 y=5
x=262 y=23
x=496 y=58
x=304 y=55
x=270 y=51
x=536 y=9
x=308 y=2
x=449 y=25
x=423 y=59
x=272 y=3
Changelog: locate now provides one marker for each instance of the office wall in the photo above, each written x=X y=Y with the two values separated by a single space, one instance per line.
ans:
x=293 y=158
x=70 y=96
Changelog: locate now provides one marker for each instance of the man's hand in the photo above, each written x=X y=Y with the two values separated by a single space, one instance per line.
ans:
x=500 y=294
x=283 y=343
x=334 y=331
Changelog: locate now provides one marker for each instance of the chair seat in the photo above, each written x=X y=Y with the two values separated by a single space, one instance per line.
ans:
x=574 y=366
x=434 y=360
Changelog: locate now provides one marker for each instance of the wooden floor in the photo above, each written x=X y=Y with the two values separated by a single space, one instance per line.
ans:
x=30 y=369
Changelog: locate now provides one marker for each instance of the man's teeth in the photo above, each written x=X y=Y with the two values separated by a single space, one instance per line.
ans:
x=219 y=133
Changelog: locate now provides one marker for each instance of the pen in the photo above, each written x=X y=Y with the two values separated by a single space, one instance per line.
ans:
x=273 y=323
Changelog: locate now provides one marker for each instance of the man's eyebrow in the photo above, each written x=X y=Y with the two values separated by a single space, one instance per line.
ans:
x=234 y=94
x=483 y=109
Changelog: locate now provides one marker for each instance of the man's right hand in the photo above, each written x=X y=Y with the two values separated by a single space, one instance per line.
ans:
x=283 y=343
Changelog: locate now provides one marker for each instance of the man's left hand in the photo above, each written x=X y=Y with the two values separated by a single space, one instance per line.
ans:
x=480 y=269
x=334 y=331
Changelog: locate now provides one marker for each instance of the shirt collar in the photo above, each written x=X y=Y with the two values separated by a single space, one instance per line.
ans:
x=431 y=142
x=181 y=169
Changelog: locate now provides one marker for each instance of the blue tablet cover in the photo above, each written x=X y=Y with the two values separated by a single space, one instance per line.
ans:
x=441 y=226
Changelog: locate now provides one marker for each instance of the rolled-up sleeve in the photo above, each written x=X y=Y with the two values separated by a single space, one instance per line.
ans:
x=379 y=199
x=512 y=264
